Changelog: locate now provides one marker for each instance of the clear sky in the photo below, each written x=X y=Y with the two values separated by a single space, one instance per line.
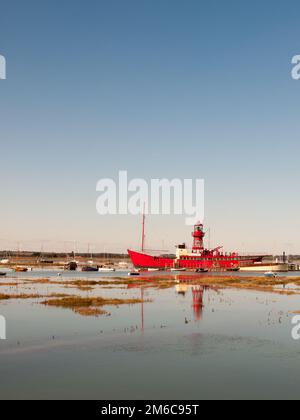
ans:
x=162 y=88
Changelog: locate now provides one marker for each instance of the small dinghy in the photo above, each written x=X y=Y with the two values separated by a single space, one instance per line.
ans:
x=202 y=270
x=134 y=273
x=178 y=270
x=270 y=274
x=21 y=269
x=2 y=274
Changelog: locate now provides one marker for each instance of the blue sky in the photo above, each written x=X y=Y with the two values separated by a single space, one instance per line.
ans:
x=164 y=88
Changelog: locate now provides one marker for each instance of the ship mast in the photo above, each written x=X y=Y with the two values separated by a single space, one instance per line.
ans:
x=143 y=229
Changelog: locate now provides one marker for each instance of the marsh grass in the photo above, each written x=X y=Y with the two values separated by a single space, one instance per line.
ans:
x=85 y=302
x=167 y=281
x=11 y=284
x=92 y=306
x=85 y=288
x=164 y=281
x=31 y=296
x=88 y=306
x=94 y=312
x=259 y=284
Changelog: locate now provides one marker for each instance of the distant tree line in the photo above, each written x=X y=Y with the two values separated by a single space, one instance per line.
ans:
x=7 y=254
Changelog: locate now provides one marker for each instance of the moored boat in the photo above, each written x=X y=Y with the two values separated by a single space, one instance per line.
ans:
x=21 y=269
x=134 y=273
x=2 y=274
x=270 y=274
x=71 y=266
x=199 y=257
x=106 y=269
x=270 y=267
x=89 y=268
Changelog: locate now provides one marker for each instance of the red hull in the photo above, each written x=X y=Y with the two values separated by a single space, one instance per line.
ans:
x=199 y=258
x=222 y=262
x=147 y=261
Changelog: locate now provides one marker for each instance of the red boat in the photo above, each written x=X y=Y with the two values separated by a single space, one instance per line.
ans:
x=198 y=258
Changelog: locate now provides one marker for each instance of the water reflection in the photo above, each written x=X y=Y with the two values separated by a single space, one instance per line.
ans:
x=198 y=301
x=197 y=297
x=142 y=309
x=186 y=288
x=232 y=332
x=182 y=289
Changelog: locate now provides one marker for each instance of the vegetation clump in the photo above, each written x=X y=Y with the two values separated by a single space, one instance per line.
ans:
x=81 y=302
x=30 y=296
x=88 y=306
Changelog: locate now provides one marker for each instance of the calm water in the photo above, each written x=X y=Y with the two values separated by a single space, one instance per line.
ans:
x=210 y=344
x=53 y=273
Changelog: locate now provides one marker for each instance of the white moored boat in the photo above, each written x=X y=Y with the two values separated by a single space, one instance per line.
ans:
x=270 y=274
x=106 y=270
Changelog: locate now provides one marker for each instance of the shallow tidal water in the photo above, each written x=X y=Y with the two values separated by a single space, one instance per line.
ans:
x=184 y=343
